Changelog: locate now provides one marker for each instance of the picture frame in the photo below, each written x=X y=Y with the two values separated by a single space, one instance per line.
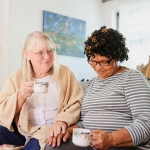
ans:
x=68 y=34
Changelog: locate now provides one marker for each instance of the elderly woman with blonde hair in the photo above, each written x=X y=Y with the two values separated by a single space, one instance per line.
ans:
x=33 y=119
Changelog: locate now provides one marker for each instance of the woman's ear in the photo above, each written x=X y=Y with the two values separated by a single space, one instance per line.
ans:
x=116 y=62
x=26 y=53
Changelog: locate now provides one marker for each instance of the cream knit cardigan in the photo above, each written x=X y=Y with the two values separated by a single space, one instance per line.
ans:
x=68 y=110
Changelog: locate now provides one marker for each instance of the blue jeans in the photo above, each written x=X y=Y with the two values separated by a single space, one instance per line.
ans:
x=33 y=144
x=15 y=138
x=8 y=137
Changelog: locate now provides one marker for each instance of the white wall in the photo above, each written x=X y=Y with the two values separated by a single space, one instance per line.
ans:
x=20 y=17
x=4 y=39
x=134 y=25
x=25 y=16
x=109 y=13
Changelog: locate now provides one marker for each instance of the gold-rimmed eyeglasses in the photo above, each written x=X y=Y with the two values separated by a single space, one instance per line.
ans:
x=41 y=54
x=101 y=63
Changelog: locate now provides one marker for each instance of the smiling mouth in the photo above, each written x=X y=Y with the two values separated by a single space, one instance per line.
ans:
x=46 y=62
x=101 y=72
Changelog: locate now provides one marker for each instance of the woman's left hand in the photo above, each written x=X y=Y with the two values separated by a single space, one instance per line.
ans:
x=101 y=140
x=55 y=141
x=58 y=128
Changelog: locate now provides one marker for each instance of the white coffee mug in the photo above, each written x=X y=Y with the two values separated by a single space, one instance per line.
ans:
x=40 y=87
x=81 y=137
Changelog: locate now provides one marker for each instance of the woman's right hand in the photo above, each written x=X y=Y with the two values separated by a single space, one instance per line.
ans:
x=25 y=90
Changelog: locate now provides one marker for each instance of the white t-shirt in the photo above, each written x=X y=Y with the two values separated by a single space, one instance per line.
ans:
x=42 y=107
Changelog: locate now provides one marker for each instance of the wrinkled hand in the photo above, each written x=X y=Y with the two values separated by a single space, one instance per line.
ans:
x=101 y=140
x=55 y=141
x=25 y=90
x=58 y=128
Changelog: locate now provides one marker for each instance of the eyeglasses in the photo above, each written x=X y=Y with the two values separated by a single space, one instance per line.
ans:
x=101 y=63
x=42 y=54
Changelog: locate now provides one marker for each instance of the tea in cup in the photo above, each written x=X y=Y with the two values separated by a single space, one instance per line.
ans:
x=40 y=87
x=81 y=137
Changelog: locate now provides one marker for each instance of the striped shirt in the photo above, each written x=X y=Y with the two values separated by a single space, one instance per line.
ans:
x=119 y=101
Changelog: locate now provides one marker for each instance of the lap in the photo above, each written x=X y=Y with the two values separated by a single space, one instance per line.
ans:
x=8 y=137
x=67 y=146
x=121 y=148
x=33 y=144
x=70 y=146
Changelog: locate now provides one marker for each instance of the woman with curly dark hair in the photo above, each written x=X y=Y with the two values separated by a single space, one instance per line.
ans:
x=116 y=103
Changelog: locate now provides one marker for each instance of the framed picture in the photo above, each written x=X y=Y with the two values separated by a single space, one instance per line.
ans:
x=67 y=33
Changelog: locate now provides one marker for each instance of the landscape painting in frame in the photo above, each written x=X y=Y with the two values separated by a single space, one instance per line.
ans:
x=67 y=33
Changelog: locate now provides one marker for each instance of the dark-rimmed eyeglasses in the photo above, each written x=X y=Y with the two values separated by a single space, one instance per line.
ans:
x=41 y=54
x=101 y=63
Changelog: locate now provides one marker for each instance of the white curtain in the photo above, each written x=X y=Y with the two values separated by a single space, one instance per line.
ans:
x=135 y=25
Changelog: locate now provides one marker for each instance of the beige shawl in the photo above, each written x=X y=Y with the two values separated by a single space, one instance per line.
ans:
x=68 y=111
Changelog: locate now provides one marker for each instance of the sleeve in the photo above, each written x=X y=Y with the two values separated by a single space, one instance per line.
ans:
x=83 y=111
x=137 y=95
x=82 y=114
x=71 y=93
x=8 y=100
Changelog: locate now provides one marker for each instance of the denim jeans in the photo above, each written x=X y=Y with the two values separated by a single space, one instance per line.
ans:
x=13 y=138
x=33 y=144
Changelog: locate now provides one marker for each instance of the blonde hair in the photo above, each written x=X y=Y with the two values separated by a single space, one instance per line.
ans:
x=43 y=41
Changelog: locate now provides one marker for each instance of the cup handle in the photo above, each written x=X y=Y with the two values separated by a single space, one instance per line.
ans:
x=90 y=138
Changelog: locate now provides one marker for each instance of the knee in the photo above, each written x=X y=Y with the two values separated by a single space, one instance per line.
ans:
x=4 y=134
x=32 y=144
x=3 y=130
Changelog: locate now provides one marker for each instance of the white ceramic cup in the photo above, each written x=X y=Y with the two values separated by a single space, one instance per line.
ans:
x=40 y=87
x=81 y=137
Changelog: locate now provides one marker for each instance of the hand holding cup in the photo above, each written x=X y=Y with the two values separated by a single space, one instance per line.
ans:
x=25 y=90
x=40 y=87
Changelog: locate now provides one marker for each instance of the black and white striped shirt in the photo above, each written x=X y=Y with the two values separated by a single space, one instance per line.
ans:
x=119 y=101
